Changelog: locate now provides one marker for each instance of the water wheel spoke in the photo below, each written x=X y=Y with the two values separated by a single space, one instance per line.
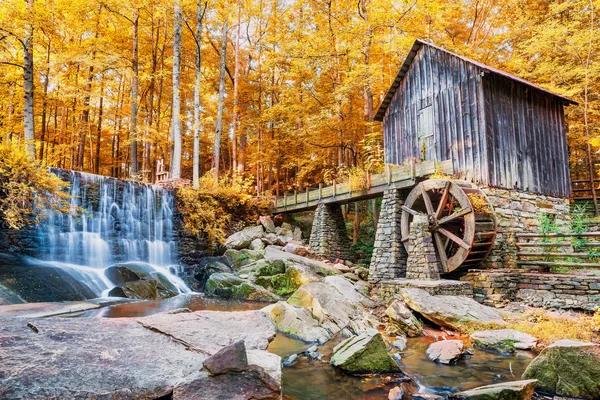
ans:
x=454 y=238
x=443 y=200
x=462 y=212
x=427 y=201
x=441 y=247
x=410 y=210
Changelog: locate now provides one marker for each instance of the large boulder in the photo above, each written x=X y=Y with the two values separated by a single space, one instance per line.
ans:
x=241 y=258
x=232 y=358
x=365 y=353
x=349 y=290
x=503 y=341
x=108 y=358
x=7 y=296
x=449 y=311
x=332 y=306
x=315 y=267
x=446 y=351
x=38 y=281
x=403 y=319
x=139 y=280
x=567 y=368
x=517 y=390
x=241 y=240
x=267 y=223
x=326 y=304
x=206 y=267
x=297 y=322
x=230 y=286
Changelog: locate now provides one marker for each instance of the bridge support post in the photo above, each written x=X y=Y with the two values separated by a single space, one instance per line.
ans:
x=328 y=235
x=389 y=256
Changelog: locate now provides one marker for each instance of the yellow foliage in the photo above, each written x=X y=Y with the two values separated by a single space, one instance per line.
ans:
x=27 y=191
x=478 y=202
x=358 y=179
x=548 y=327
x=215 y=209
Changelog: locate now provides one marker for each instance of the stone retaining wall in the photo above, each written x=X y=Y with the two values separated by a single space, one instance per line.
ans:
x=391 y=288
x=516 y=212
x=497 y=287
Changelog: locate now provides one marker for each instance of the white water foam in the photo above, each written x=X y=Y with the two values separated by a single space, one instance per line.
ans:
x=113 y=222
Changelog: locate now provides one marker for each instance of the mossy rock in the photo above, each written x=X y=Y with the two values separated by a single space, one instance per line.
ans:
x=230 y=286
x=366 y=353
x=502 y=347
x=283 y=284
x=265 y=268
x=567 y=368
x=242 y=258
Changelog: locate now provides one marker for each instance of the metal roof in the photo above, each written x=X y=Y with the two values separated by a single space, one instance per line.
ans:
x=411 y=56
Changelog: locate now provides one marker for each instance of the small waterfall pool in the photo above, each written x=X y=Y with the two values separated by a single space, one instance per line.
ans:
x=112 y=222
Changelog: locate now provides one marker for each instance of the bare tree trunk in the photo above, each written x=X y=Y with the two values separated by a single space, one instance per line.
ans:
x=45 y=103
x=197 y=88
x=221 y=102
x=99 y=131
x=356 y=222
x=28 y=111
x=133 y=167
x=236 y=76
x=176 y=114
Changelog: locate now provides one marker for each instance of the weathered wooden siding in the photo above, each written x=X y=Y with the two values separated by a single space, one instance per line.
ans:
x=526 y=138
x=451 y=86
x=497 y=131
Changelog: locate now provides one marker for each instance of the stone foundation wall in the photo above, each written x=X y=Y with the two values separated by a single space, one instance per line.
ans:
x=422 y=259
x=516 y=212
x=387 y=290
x=328 y=235
x=389 y=254
x=497 y=287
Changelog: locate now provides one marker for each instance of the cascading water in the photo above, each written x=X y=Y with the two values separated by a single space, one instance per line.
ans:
x=113 y=222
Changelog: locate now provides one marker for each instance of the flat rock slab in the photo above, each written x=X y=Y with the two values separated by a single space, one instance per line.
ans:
x=209 y=331
x=119 y=358
x=503 y=340
x=517 y=390
x=37 y=310
x=449 y=311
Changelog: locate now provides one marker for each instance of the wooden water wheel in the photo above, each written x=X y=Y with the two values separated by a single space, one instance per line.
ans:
x=461 y=220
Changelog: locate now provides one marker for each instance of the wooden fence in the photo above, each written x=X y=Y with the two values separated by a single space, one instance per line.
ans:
x=573 y=250
x=395 y=177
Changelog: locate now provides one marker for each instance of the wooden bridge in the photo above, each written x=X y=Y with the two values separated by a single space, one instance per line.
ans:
x=395 y=177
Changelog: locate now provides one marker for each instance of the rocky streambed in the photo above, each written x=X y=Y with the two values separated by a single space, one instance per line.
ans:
x=277 y=321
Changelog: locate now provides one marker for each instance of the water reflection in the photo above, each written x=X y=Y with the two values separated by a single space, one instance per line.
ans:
x=194 y=302
x=482 y=368
x=313 y=379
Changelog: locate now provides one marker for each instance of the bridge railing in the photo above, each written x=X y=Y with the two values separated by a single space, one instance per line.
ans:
x=393 y=177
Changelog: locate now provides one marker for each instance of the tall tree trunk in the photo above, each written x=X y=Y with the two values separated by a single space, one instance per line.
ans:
x=99 y=131
x=28 y=112
x=45 y=103
x=236 y=76
x=221 y=102
x=356 y=222
x=133 y=167
x=197 y=88
x=176 y=114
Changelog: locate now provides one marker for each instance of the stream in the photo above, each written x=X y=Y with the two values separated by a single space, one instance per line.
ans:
x=309 y=379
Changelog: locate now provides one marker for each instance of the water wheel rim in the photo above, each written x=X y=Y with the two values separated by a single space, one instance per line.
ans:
x=433 y=209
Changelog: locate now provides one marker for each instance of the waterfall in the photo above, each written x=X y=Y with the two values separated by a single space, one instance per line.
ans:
x=112 y=221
